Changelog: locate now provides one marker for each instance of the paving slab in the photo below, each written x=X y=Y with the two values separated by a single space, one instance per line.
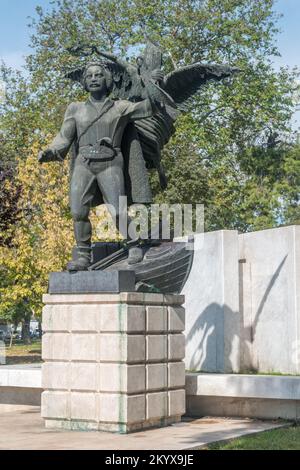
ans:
x=23 y=428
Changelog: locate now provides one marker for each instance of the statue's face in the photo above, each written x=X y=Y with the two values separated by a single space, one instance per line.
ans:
x=95 y=79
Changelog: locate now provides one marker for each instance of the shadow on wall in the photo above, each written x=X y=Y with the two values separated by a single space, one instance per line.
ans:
x=249 y=358
x=266 y=295
x=216 y=332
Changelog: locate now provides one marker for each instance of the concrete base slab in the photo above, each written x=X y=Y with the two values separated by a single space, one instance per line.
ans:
x=20 y=384
x=109 y=427
x=251 y=396
x=23 y=428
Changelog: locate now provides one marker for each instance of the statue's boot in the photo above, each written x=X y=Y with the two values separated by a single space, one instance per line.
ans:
x=135 y=255
x=81 y=259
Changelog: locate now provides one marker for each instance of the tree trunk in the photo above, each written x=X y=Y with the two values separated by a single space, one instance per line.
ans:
x=11 y=337
x=26 y=331
x=40 y=330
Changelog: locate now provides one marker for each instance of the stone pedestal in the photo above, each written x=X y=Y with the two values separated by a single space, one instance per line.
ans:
x=113 y=362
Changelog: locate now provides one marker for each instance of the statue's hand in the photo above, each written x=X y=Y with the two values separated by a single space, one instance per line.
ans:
x=157 y=75
x=47 y=155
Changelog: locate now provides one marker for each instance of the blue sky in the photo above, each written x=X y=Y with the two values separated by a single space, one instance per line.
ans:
x=289 y=38
x=15 y=35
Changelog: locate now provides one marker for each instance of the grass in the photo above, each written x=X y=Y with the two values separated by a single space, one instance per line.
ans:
x=254 y=372
x=21 y=353
x=277 y=439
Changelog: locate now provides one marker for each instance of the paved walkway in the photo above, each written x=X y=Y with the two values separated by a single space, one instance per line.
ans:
x=22 y=428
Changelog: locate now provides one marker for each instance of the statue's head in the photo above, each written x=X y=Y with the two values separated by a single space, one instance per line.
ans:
x=96 y=78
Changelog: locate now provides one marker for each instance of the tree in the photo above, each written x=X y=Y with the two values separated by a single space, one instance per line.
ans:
x=9 y=195
x=205 y=158
x=41 y=241
x=42 y=237
x=218 y=155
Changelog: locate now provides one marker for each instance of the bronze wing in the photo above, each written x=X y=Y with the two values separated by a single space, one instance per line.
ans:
x=181 y=85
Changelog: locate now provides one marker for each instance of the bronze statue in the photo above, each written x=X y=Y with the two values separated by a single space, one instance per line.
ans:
x=119 y=132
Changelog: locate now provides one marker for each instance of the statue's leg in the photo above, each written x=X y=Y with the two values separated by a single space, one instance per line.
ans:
x=81 y=194
x=112 y=186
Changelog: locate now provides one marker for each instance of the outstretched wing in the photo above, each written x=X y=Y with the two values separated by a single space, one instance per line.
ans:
x=182 y=84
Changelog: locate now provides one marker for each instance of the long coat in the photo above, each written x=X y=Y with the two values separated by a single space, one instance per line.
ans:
x=116 y=121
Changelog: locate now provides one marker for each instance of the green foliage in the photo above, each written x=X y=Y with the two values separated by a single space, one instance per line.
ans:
x=206 y=161
x=9 y=195
x=220 y=154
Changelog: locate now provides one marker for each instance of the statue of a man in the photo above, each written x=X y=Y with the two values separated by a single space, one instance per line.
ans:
x=112 y=140
x=96 y=128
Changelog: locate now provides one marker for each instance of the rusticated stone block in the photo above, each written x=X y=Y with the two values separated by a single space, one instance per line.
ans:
x=156 y=376
x=176 y=404
x=121 y=378
x=56 y=347
x=115 y=318
x=84 y=347
x=157 y=405
x=156 y=319
x=115 y=408
x=56 y=318
x=176 y=318
x=90 y=316
x=176 y=375
x=56 y=375
x=55 y=405
x=84 y=376
x=122 y=348
x=157 y=348
x=176 y=347
x=83 y=406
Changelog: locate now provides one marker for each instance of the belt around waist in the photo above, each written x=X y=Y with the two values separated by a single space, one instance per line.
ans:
x=102 y=153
